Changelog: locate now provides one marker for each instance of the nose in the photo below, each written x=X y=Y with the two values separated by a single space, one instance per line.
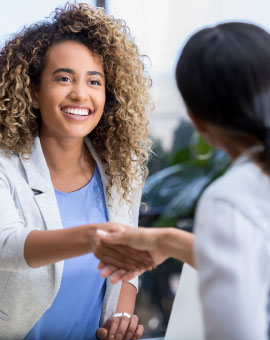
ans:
x=78 y=92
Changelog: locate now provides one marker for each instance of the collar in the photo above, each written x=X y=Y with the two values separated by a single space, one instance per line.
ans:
x=245 y=157
x=36 y=169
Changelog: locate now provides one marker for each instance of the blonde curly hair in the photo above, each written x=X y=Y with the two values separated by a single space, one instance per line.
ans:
x=121 y=137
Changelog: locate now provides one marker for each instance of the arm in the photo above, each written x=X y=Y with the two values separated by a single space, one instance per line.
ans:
x=127 y=298
x=177 y=244
x=123 y=327
x=22 y=247
x=44 y=247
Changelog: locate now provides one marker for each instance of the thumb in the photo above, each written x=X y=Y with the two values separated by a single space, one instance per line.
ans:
x=113 y=238
x=102 y=333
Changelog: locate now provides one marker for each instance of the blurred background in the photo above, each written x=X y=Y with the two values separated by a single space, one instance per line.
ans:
x=182 y=164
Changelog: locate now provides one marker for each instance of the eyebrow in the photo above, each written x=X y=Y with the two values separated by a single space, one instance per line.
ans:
x=69 y=70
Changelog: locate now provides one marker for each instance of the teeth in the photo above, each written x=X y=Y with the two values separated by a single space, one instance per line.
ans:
x=73 y=111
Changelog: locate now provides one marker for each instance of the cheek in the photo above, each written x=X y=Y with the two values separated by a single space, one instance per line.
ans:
x=100 y=101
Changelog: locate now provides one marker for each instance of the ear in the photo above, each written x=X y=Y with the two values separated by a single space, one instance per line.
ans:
x=200 y=124
x=34 y=93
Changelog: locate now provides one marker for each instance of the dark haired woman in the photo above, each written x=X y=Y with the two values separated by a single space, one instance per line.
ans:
x=73 y=134
x=223 y=74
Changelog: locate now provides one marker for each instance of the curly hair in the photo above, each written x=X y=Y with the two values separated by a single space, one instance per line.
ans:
x=121 y=137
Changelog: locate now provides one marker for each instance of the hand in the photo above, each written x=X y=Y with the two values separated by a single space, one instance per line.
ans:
x=118 y=274
x=116 y=328
x=114 y=254
x=141 y=239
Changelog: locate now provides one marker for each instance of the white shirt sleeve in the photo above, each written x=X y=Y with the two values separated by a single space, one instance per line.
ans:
x=231 y=256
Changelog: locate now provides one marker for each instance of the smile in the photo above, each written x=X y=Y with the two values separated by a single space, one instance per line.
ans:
x=76 y=111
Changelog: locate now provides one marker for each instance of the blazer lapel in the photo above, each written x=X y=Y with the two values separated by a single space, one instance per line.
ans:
x=39 y=180
x=118 y=209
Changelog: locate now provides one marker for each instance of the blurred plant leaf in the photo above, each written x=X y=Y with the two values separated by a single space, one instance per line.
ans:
x=174 y=191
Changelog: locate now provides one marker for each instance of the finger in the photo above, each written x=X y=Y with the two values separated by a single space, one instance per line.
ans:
x=131 y=256
x=115 y=238
x=125 y=249
x=117 y=275
x=133 y=323
x=118 y=263
x=112 y=255
x=123 y=326
x=101 y=265
x=139 y=332
x=102 y=333
x=108 y=271
x=131 y=275
x=120 y=275
x=114 y=327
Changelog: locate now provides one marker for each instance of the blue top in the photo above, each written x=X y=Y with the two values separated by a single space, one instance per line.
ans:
x=76 y=310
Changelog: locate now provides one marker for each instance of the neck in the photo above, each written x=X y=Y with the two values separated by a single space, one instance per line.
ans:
x=65 y=155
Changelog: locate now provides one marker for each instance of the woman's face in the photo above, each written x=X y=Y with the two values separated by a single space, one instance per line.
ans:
x=71 y=94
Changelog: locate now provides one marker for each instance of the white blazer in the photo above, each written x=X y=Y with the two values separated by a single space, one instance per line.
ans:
x=27 y=202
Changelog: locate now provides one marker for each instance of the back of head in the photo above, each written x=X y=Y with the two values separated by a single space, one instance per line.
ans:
x=223 y=75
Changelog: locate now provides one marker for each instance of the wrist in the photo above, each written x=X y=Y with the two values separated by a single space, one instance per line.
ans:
x=160 y=239
x=91 y=238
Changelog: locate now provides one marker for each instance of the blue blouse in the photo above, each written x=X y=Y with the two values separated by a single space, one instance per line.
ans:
x=76 y=310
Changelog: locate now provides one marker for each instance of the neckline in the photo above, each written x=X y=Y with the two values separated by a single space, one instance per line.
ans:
x=246 y=155
x=83 y=188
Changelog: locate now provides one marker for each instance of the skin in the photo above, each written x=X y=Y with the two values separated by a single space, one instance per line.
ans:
x=68 y=84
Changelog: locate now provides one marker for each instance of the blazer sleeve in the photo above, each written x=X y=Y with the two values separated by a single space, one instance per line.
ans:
x=12 y=232
x=232 y=261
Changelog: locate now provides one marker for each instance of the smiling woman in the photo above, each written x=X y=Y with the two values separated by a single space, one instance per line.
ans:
x=74 y=144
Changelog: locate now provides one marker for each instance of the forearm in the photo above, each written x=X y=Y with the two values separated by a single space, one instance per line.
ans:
x=176 y=243
x=44 y=247
x=127 y=298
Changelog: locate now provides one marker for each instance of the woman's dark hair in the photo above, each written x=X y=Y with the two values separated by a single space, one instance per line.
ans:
x=223 y=74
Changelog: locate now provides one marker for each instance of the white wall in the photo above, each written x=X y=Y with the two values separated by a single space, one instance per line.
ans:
x=160 y=27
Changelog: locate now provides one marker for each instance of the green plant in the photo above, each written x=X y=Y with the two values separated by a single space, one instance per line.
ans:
x=172 y=193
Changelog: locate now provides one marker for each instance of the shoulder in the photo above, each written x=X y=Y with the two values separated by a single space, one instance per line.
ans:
x=9 y=166
x=243 y=187
x=233 y=215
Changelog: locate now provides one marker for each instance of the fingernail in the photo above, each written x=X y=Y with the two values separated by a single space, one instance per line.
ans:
x=101 y=232
x=111 y=337
x=103 y=335
x=119 y=337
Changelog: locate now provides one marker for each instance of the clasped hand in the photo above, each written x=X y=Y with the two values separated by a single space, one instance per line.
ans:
x=126 y=252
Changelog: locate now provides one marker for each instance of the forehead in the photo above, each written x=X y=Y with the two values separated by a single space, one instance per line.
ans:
x=74 y=55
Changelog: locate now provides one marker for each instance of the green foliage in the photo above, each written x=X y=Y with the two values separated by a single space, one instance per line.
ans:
x=174 y=191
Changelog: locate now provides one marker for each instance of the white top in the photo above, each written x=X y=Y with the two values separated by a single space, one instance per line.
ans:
x=232 y=254
x=186 y=316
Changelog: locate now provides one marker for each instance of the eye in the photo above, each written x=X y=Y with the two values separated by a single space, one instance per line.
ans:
x=94 y=82
x=63 y=79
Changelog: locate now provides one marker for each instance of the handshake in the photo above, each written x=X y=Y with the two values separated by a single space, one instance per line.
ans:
x=126 y=252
